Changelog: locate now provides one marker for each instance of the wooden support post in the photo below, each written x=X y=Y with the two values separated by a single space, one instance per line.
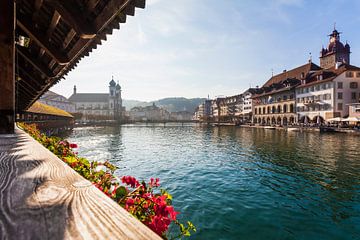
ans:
x=7 y=66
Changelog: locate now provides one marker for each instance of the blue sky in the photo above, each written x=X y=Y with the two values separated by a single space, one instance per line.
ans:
x=193 y=48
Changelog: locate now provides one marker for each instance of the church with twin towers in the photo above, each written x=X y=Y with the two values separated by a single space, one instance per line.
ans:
x=100 y=106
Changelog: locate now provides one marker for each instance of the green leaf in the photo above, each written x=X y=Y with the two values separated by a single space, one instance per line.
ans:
x=121 y=192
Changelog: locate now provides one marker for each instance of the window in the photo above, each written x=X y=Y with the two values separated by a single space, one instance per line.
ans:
x=353 y=85
x=323 y=86
x=340 y=106
x=312 y=88
x=357 y=74
x=317 y=88
x=349 y=74
x=340 y=95
x=353 y=95
x=339 y=85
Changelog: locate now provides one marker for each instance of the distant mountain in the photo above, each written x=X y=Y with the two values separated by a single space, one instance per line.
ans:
x=129 y=104
x=175 y=104
x=180 y=104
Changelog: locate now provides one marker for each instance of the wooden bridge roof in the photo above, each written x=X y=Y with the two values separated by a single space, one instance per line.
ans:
x=61 y=33
x=41 y=108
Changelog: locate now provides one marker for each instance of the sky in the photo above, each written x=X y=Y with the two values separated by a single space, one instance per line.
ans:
x=196 y=48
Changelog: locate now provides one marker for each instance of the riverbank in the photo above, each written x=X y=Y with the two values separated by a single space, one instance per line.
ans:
x=295 y=128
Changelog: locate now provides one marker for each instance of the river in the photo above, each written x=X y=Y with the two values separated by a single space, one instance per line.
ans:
x=242 y=183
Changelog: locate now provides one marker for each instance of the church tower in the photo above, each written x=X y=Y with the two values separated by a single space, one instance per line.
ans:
x=112 y=96
x=335 y=52
x=115 y=101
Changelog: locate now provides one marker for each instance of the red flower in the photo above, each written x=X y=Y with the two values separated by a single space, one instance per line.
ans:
x=155 y=183
x=130 y=181
x=73 y=145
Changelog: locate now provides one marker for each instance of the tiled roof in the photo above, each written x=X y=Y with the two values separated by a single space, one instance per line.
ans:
x=328 y=74
x=293 y=73
x=89 y=97
x=41 y=108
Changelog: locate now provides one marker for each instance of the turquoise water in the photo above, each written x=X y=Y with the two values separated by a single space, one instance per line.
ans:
x=240 y=183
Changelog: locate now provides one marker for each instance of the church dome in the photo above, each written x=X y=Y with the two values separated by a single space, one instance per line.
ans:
x=335 y=46
x=112 y=83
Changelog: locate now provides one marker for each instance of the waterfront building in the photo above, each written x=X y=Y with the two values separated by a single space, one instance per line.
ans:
x=274 y=102
x=203 y=111
x=354 y=110
x=233 y=108
x=56 y=100
x=181 y=116
x=99 y=106
x=151 y=113
x=217 y=109
x=246 y=115
x=325 y=93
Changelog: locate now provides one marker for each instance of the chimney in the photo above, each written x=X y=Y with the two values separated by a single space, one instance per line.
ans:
x=284 y=71
x=74 y=89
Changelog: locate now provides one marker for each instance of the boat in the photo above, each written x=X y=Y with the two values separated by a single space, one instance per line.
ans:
x=325 y=129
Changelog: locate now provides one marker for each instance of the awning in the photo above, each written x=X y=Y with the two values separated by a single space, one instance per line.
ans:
x=351 y=119
x=337 y=119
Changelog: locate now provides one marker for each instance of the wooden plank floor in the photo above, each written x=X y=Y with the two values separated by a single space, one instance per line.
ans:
x=42 y=198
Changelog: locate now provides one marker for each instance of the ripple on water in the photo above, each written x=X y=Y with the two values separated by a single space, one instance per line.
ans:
x=236 y=183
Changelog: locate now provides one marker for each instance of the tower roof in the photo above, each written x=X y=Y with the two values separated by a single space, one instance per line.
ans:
x=112 y=83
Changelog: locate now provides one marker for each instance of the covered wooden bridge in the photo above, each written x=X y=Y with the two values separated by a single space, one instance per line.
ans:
x=42 y=40
x=40 y=196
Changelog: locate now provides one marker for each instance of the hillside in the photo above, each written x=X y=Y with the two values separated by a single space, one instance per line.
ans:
x=175 y=104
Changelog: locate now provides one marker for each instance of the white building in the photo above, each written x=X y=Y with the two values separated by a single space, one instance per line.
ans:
x=247 y=104
x=56 y=100
x=99 y=106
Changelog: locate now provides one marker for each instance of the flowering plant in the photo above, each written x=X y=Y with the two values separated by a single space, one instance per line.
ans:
x=151 y=207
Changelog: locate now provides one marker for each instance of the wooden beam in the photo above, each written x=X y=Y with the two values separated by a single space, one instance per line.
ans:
x=25 y=86
x=34 y=62
x=26 y=72
x=37 y=36
x=7 y=66
x=38 y=4
x=74 y=17
x=36 y=13
x=92 y=4
x=54 y=21
x=112 y=9
x=71 y=34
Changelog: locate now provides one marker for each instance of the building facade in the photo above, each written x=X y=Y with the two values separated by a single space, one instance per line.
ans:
x=56 y=100
x=305 y=94
x=99 y=106
x=151 y=113
x=275 y=104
